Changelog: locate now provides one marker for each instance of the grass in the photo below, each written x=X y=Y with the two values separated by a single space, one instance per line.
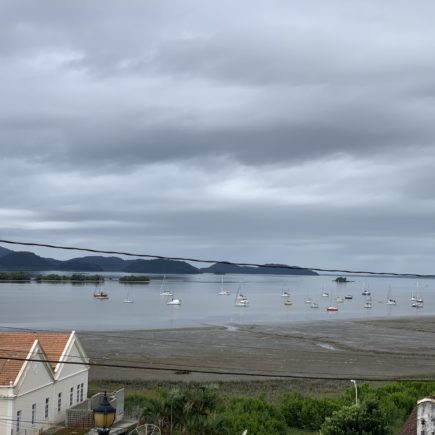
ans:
x=271 y=389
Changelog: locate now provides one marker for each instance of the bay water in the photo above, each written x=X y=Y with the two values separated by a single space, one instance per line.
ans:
x=66 y=306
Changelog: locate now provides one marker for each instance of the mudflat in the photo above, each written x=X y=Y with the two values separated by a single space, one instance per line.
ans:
x=383 y=349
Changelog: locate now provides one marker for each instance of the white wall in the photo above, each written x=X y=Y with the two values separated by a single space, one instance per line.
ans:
x=37 y=383
x=426 y=413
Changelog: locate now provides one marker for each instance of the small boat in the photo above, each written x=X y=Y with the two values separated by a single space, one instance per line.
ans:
x=174 y=301
x=365 y=292
x=331 y=308
x=285 y=294
x=128 y=299
x=309 y=301
x=241 y=301
x=288 y=302
x=417 y=305
x=325 y=295
x=390 y=300
x=348 y=297
x=419 y=300
x=101 y=295
x=368 y=304
x=339 y=300
x=165 y=292
x=314 y=305
x=223 y=292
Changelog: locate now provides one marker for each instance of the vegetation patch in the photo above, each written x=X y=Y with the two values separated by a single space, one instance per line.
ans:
x=134 y=279
x=220 y=409
x=15 y=276
x=74 y=278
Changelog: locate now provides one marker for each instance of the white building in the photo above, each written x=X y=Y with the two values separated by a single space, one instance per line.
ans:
x=426 y=416
x=35 y=394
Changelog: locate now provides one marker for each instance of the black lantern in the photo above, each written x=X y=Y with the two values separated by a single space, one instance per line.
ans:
x=104 y=416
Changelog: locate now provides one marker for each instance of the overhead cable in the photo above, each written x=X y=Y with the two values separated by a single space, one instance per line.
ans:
x=207 y=261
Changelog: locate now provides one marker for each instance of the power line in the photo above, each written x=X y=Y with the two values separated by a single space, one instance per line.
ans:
x=208 y=261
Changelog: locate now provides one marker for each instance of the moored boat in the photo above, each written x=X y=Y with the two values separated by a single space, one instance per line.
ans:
x=101 y=295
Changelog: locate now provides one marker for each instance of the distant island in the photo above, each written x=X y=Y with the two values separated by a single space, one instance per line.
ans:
x=134 y=279
x=75 y=278
x=28 y=261
x=342 y=279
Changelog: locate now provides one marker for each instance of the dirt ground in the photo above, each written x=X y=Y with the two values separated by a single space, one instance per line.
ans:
x=364 y=350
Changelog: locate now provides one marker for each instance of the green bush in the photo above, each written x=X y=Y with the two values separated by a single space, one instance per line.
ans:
x=366 y=419
x=254 y=414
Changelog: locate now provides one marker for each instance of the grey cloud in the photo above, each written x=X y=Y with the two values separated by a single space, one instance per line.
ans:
x=181 y=130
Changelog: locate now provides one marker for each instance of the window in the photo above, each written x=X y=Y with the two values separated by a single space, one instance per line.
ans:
x=46 y=408
x=78 y=393
x=18 y=421
x=59 y=402
x=81 y=392
x=71 y=396
x=33 y=413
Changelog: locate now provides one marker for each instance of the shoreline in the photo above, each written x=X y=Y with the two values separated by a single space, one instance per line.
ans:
x=371 y=349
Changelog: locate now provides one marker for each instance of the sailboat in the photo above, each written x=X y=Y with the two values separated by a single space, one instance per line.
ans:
x=174 y=301
x=331 y=307
x=128 y=299
x=368 y=303
x=165 y=292
x=365 y=291
x=288 y=302
x=100 y=295
x=241 y=301
x=223 y=292
x=390 y=301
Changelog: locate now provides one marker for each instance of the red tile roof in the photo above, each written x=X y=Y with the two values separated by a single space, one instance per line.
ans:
x=18 y=345
x=410 y=426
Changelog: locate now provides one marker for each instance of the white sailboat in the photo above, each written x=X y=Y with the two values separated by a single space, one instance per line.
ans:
x=163 y=291
x=368 y=303
x=365 y=292
x=390 y=300
x=174 y=301
x=241 y=300
x=128 y=299
x=222 y=291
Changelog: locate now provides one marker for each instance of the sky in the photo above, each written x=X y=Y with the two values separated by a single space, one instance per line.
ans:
x=296 y=132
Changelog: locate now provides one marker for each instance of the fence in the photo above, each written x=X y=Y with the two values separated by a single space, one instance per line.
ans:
x=81 y=415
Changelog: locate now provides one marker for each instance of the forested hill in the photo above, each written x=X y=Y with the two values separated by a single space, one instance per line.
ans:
x=20 y=260
x=4 y=251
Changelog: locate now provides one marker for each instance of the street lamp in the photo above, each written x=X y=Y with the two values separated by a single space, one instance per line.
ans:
x=356 y=391
x=104 y=416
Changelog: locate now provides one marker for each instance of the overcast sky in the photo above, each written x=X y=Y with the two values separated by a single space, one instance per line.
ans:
x=255 y=131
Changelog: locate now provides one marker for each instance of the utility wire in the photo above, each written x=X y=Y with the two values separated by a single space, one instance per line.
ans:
x=197 y=260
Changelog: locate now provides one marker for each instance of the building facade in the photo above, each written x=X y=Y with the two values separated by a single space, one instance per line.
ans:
x=38 y=383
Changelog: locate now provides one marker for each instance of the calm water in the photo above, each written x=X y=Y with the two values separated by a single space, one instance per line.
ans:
x=68 y=306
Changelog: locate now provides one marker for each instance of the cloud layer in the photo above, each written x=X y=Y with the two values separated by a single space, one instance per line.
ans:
x=299 y=133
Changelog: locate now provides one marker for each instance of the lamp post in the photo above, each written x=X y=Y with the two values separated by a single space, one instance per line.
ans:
x=104 y=416
x=356 y=391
